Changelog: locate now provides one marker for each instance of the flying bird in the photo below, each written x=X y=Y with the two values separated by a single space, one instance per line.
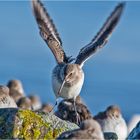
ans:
x=68 y=76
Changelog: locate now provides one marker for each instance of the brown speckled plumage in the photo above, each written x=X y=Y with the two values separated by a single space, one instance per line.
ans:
x=66 y=111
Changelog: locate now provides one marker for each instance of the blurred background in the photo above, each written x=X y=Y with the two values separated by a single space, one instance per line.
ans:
x=112 y=76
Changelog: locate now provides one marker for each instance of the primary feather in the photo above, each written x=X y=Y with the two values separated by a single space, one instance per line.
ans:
x=48 y=31
x=102 y=36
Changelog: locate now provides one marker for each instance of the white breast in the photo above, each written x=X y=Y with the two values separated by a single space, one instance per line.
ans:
x=67 y=92
x=117 y=126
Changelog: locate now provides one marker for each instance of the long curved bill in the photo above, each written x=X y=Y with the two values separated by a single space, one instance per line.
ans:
x=61 y=87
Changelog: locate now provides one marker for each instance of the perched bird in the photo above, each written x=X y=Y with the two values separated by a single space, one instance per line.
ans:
x=111 y=120
x=66 y=110
x=68 y=76
x=15 y=89
x=5 y=100
x=35 y=102
x=46 y=108
x=24 y=103
x=89 y=129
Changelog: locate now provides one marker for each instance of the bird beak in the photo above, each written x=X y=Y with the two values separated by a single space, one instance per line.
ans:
x=62 y=85
x=60 y=89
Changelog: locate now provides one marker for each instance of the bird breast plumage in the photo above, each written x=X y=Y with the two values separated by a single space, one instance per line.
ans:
x=69 y=90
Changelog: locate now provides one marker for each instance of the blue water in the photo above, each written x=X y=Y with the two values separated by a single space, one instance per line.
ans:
x=111 y=77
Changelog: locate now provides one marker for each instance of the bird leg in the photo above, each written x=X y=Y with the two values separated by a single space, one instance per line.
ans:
x=54 y=106
x=78 y=120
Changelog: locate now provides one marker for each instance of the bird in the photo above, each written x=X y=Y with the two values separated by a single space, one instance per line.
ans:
x=24 y=103
x=68 y=75
x=5 y=100
x=111 y=120
x=89 y=129
x=35 y=102
x=16 y=90
x=46 y=108
x=65 y=110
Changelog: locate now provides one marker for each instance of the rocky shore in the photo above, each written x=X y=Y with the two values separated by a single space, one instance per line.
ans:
x=23 y=117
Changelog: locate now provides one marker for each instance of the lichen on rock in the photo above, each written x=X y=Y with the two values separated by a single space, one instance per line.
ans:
x=26 y=124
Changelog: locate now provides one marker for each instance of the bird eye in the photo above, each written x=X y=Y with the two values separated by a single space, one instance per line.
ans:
x=70 y=74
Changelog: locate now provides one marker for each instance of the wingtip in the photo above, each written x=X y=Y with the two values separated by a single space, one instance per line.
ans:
x=34 y=3
x=119 y=9
x=121 y=5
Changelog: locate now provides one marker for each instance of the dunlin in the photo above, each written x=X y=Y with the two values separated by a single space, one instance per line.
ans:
x=24 y=103
x=111 y=120
x=68 y=76
x=89 y=129
x=35 y=102
x=66 y=111
x=15 y=89
x=5 y=100
x=46 y=108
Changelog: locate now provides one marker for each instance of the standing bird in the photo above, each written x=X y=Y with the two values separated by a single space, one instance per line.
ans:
x=68 y=77
x=89 y=129
x=111 y=120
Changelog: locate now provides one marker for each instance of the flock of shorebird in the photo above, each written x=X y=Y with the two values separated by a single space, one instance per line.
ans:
x=67 y=81
x=108 y=124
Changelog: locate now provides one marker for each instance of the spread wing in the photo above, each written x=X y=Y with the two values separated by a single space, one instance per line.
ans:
x=48 y=31
x=102 y=36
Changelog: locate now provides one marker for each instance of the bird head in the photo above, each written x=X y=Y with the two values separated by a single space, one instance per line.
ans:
x=71 y=74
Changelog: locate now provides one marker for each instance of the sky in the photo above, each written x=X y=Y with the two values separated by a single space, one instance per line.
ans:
x=112 y=76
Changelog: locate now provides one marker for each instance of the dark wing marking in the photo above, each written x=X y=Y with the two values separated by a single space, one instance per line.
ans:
x=102 y=36
x=48 y=31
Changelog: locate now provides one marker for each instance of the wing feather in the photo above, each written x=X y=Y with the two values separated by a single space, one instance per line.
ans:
x=48 y=31
x=102 y=36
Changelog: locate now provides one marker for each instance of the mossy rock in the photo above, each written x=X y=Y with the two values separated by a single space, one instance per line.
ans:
x=26 y=124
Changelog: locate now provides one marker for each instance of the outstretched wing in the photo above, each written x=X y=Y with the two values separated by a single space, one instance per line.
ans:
x=102 y=36
x=48 y=31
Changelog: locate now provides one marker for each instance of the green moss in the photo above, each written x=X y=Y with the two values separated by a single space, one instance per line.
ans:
x=33 y=127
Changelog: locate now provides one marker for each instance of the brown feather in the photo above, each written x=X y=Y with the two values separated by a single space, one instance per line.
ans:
x=102 y=36
x=48 y=31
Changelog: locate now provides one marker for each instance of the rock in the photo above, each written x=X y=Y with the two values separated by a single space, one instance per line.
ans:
x=135 y=133
x=26 y=124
